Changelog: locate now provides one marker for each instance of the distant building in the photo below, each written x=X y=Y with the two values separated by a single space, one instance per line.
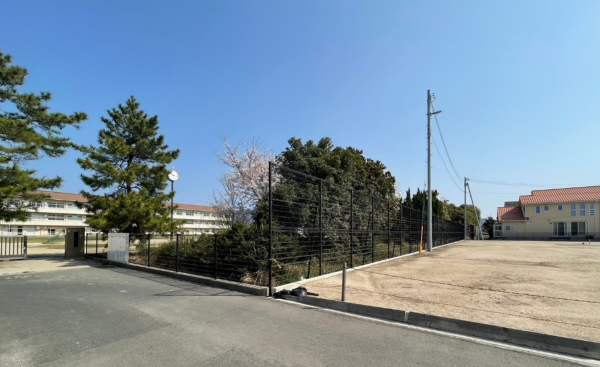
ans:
x=59 y=212
x=555 y=213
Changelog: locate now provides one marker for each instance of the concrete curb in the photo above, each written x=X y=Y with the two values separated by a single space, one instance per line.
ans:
x=217 y=283
x=557 y=344
x=291 y=286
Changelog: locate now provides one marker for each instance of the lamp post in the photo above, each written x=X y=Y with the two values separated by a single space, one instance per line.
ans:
x=172 y=176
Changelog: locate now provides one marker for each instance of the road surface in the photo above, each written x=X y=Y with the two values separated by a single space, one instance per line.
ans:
x=108 y=316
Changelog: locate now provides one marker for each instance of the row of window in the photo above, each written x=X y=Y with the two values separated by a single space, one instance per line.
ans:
x=582 y=209
x=560 y=229
x=197 y=214
x=198 y=222
x=56 y=217
x=198 y=231
x=18 y=231
x=51 y=204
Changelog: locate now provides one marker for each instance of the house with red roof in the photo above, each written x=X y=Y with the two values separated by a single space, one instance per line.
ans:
x=551 y=214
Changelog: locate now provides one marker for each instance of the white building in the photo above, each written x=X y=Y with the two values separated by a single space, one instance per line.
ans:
x=59 y=212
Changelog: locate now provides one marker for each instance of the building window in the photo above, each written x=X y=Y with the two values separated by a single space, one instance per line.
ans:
x=36 y=204
x=582 y=210
x=15 y=230
x=559 y=229
x=71 y=206
x=189 y=214
x=56 y=217
x=510 y=228
x=187 y=231
x=546 y=208
x=55 y=205
x=560 y=207
x=13 y=203
x=538 y=209
x=206 y=214
x=179 y=212
x=198 y=231
x=189 y=222
x=592 y=209
x=577 y=228
x=35 y=216
x=74 y=217
x=573 y=210
x=51 y=231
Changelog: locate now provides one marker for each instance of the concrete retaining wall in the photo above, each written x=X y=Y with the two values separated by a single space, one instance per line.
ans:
x=217 y=283
x=546 y=342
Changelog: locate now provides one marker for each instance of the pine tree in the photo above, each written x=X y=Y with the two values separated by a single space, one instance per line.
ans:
x=129 y=174
x=28 y=131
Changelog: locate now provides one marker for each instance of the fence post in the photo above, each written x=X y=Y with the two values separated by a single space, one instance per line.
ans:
x=351 y=228
x=25 y=247
x=320 y=227
x=177 y=253
x=344 y=283
x=270 y=228
x=97 y=243
x=372 y=229
x=148 y=249
x=401 y=225
x=389 y=230
x=216 y=269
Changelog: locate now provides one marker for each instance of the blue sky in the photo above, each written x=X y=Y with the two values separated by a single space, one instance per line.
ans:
x=518 y=82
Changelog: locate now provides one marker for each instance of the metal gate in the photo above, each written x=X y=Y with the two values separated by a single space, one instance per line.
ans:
x=13 y=248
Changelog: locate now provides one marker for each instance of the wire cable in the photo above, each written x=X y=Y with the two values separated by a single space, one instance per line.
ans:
x=444 y=143
x=447 y=170
x=520 y=183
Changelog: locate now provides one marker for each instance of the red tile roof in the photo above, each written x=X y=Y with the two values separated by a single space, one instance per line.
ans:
x=77 y=197
x=573 y=194
x=193 y=207
x=510 y=213
x=63 y=196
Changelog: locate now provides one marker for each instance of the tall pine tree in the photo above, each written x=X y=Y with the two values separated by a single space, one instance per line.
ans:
x=129 y=174
x=28 y=131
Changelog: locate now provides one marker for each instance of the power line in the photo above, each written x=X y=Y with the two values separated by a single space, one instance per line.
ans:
x=518 y=183
x=444 y=143
x=498 y=193
x=447 y=170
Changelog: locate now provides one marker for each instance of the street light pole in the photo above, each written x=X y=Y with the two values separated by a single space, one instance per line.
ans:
x=172 y=176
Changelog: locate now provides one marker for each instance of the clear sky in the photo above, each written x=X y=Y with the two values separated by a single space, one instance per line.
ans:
x=518 y=82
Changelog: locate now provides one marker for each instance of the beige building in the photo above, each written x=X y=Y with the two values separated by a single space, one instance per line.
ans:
x=551 y=214
x=59 y=212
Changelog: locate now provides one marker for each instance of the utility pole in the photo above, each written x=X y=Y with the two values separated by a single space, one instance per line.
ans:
x=429 y=198
x=466 y=179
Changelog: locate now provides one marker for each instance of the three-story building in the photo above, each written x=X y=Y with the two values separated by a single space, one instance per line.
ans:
x=59 y=212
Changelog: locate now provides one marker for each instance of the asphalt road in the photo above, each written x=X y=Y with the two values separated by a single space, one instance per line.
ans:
x=107 y=316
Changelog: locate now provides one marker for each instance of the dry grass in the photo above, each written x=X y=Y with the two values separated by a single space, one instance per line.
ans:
x=546 y=287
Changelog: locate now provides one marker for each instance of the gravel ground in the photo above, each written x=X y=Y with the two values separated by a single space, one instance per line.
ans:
x=546 y=287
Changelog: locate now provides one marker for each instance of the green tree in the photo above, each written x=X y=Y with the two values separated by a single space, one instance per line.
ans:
x=129 y=174
x=28 y=131
x=488 y=226
x=457 y=214
x=419 y=202
x=408 y=199
x=346 y=167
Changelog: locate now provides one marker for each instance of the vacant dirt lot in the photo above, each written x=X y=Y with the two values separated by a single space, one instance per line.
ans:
x=546 y=287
